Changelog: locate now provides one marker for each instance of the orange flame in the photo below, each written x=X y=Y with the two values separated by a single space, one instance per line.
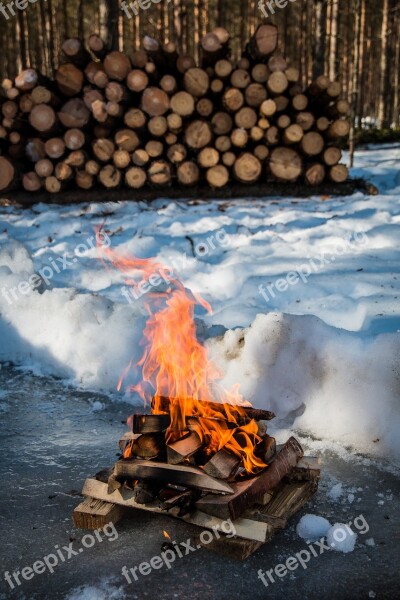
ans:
x=176 y=366
x=166 y=535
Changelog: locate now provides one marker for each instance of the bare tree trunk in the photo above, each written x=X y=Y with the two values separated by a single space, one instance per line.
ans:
x=383 y=67
x=355 y=79
x=333 y=39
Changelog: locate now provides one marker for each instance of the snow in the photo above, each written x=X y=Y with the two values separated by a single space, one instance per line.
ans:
x=321 y=349
x=341 y=538
x=104 y=591
x=312 y=527
x=336 y=492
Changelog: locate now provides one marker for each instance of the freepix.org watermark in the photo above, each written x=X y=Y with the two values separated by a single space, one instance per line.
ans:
x=267 y=7
x=302 y=558
x=167 y=557
x=138 y=5
x=57 y=265
x=60 y=555
x=9 y=9
x=315 y=264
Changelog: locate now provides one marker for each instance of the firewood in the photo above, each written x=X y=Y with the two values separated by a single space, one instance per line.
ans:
x=44 y=167
x=103 y=149
x=334 y=89
x=246 y=118
x=281 y=103
x=205 y=107
x=43 y=118
x=212 y=48
x=180 y=475
x=176 y=153
x=255 y=94
x=26 y=103
x=76 y=158
x=239 y=138
x=247 y=168
x=137 y=80
x=196 y=81
x=100 y=78
x=9 y=109
x=300 y=102
x=222 y=465
x=63 y=171
x=115 y=92
x=31 y=182
x=292 y=74
x=149 y=445
x=332 y=156
x=312 y=143
x=339 y=128
x=283 y=121
x=7 y=173
x=240 y=79
x=117 y=65
x=233 y=99
x=208 y=157
x=217 y=176
x=74 y=139
x=263 y=43
x=319 y=85
x=35 y=149
x=228 y=159
x=135 y=118
x=223 y=143
x=26 y=80
x=184 y=63
x=268 y=108
x=277 y=63
x=150 y=423
x=140 y=158
x=323 y=124
x=188 y=173
x=146 y=492
x=261 y=152
x=338 y=173
x=285 y=164
x=69 y=79
x=222 y=123
x=169 y=84
x=315 y=174
x=174 y=122
x=198 y=134
x=109 y=176
x=157 y=126
x=92 y=167
x=96 y=45
x=223 y=68
x=182 y=104
x=135 y=177
x=154 y=148
x=84 y=180
x=277 y=83
x=260 y=73
x=114 y=109
x=121 y=159
x=74 y=113
x=52 y=185
x=340 y=109
x=155 y=102
x=96 y=514
x=246 y=493
x=184 y=448
x=139 y=59
x=159 y=172
x=293 y=134
x=217 y=86
x=306 y=120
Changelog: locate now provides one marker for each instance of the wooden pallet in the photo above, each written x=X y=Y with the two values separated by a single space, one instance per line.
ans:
x=253 y=529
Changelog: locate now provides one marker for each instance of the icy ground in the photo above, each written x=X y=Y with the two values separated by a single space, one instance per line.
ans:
x=318 y=342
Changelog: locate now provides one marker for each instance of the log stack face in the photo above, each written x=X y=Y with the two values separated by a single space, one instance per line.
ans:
x=158 y=118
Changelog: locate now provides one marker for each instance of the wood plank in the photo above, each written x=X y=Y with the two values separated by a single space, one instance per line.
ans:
x=222 y=464
x=93 y=513
x=249 y=492
x=181 y=475
x=182 y=449
x=150 y=423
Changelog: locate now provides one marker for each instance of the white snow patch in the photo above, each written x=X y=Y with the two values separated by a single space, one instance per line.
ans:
x=336 y=492
x=104 y=591
x=341 y=538
x=312 y=527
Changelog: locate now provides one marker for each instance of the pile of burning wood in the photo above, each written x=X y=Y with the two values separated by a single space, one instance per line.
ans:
x=205 y=462
x=156 y=117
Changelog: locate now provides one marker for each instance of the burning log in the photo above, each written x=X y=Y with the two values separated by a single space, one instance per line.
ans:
x=162 y=404
x=252 y=490
x=222 y=465
x=187 y=476
x=149 y=446
x=150 y=423
x=184 y=448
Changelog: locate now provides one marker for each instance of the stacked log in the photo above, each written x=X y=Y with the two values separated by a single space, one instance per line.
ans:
x=156 y=118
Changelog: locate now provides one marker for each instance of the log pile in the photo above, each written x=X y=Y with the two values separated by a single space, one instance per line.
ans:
x=166 y=469
x=156 y=118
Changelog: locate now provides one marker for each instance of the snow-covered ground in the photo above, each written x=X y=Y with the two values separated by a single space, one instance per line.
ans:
x=305 y=296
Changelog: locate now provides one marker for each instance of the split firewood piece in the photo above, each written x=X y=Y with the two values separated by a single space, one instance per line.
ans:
x=249 y=492
x=95 y=514
x=150 y=423
x=269 y=448
x=307 y=469
x=249 y=412
x=222 y=465
x=184 y=501
x=184 y=448
x=149 y=445
x=314 y=174
x=146 y=491
x=187 y=476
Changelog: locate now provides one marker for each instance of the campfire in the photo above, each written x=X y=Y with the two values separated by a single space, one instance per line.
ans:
x=199 y=452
